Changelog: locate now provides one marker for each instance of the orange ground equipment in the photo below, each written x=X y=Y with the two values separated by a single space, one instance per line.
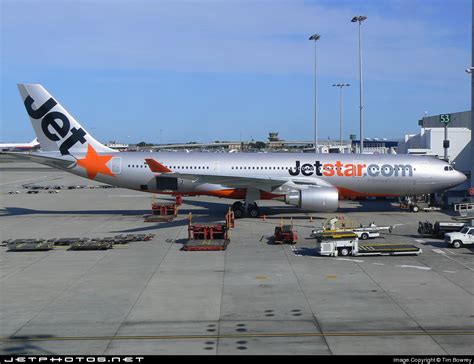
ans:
x=162 y=212
x=285 y=234
x=211 y=237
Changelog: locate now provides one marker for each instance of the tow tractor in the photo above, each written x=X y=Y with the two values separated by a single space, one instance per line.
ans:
x=417 y=203
x=285 y=234
x=337 y=228
x=352 y=247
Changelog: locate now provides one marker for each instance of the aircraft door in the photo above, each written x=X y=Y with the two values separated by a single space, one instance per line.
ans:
x=116 y=165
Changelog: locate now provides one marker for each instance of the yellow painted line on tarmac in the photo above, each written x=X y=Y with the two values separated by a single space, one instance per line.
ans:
x=244 y=335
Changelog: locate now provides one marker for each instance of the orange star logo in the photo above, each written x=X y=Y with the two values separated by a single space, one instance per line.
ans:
x=94 y=163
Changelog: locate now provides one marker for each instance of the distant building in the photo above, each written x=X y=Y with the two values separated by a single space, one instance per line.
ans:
x=117 y=146
x=430 y=142
x=376 y=146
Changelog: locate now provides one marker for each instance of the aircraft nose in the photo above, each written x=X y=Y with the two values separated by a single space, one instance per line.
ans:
x=460 y=177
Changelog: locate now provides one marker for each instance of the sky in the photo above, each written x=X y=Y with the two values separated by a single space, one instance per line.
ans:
x=200 y=70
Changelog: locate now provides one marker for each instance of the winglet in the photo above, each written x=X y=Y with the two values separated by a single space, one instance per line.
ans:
x=157 y=167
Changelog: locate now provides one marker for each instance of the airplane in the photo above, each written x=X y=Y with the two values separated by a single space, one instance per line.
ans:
x=308 y=181
x=19 y=146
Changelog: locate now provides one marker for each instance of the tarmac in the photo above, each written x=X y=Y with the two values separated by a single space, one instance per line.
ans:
x=254 y=298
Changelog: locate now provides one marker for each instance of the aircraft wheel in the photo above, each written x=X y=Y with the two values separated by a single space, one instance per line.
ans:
x=238 y=208
x=239 y=213
x=253 y=210
x=237 y=205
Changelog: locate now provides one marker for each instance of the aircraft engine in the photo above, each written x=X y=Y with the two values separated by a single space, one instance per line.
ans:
x=323 y=199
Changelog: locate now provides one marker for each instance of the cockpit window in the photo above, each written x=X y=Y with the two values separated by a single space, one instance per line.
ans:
x=448 y=168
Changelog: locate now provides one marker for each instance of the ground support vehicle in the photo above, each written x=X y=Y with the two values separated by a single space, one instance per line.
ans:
x=418 y=203
x=91 y=245
x=352 y=247
x=439 y=228
x=461 y=238
x=285 y=234
x=162 y=212
x=28 y=244
x=207 y=237
x=465 y=210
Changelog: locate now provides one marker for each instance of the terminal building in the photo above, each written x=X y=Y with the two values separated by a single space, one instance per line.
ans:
x=430 y=141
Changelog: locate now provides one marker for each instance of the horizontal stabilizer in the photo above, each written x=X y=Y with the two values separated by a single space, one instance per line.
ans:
x=63 y=162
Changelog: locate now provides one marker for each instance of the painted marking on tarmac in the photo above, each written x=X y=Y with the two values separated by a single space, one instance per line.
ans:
x=457 y=261
x=295 y=251
x=351 y=260
x=378 y=263
x=450 y=252
x=413 y=266
x=243 y=335
x=439 y=251
x=448 y=271
x=420 y=241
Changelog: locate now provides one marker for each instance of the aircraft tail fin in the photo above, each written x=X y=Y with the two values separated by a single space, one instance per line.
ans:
x=55 y=128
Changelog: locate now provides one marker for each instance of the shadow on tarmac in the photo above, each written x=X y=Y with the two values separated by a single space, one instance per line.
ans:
x=17 y=211
x=24 y=345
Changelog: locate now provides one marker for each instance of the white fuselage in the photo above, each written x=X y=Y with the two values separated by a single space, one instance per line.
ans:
x=351 y=174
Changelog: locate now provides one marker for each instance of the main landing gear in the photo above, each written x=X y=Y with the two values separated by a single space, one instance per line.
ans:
x=241 y=209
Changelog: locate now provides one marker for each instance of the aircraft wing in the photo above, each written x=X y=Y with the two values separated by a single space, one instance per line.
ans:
x=264 y=184
x=64 y=162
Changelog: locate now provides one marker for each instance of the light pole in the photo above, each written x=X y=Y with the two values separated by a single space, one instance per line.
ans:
x=360 y=19
x=315 y=37
x=341 y=86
